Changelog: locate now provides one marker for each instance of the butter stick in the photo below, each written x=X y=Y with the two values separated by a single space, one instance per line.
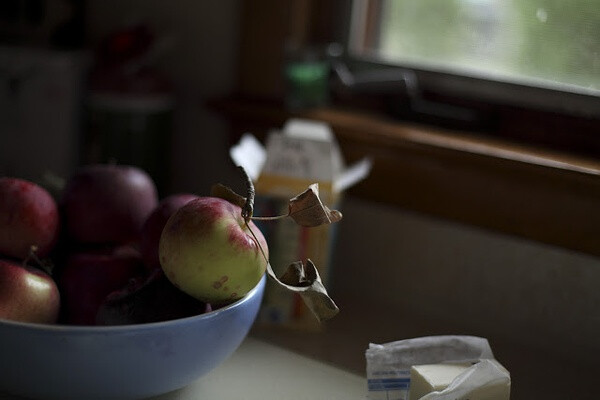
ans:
x=486 y=380
x=429 y=378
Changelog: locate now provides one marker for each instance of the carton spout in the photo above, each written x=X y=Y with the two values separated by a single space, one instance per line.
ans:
x=303 y=149
x=250 y=154
x=353 y=174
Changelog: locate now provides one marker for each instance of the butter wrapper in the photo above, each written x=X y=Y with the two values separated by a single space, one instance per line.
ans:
x=389 y=369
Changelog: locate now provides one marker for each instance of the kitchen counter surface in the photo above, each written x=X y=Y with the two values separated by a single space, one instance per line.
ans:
x=259 y=370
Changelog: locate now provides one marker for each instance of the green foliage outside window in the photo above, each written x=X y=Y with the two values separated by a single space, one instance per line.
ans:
x=546 y=41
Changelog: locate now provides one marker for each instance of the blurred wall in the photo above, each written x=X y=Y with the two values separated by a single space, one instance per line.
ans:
x=461 y=279
x=200 y=60
x=41 y=96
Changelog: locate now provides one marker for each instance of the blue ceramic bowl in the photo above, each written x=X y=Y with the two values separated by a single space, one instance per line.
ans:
x=120 y=362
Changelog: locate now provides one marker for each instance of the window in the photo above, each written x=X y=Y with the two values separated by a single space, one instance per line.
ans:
x=533 y=171
x=541 y=53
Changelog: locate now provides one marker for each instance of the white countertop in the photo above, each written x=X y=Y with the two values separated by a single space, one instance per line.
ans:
x=259 y=370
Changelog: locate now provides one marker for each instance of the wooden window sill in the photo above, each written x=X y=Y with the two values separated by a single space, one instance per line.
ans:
x=540 y=195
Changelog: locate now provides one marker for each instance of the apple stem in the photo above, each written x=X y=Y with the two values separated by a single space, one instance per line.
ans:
x=47 y=268
x=270 y=218
x=248 y=208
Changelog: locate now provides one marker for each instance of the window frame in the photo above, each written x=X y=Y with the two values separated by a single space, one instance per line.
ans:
x=557 y=98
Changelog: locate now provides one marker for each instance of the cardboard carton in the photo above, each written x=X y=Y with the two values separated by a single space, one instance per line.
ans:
x=302 y=153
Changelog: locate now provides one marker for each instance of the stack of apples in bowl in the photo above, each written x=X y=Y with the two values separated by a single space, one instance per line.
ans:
x=108 y=292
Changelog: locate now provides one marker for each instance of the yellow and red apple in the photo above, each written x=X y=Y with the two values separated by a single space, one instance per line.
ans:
x=208 y=251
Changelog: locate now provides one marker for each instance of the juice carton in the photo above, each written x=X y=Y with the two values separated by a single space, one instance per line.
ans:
x=303 y=152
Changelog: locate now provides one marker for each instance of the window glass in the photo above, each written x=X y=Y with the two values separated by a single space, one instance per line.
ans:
x=544 y=43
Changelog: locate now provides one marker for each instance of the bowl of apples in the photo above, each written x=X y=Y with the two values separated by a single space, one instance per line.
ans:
x=107 y=292
x=120 y=362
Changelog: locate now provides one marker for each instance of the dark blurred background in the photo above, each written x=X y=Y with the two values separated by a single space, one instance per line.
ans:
x=135 y=82
x=100 y=81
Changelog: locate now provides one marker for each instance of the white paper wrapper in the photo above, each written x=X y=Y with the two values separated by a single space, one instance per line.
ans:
x=388 y=365
x=486 y=380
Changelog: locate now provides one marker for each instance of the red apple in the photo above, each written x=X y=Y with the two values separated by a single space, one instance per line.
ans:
x=88 y=277
x=155 y=223
x=107 y=203
x=28 y=217
x=27 y=294
x=208 y=252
